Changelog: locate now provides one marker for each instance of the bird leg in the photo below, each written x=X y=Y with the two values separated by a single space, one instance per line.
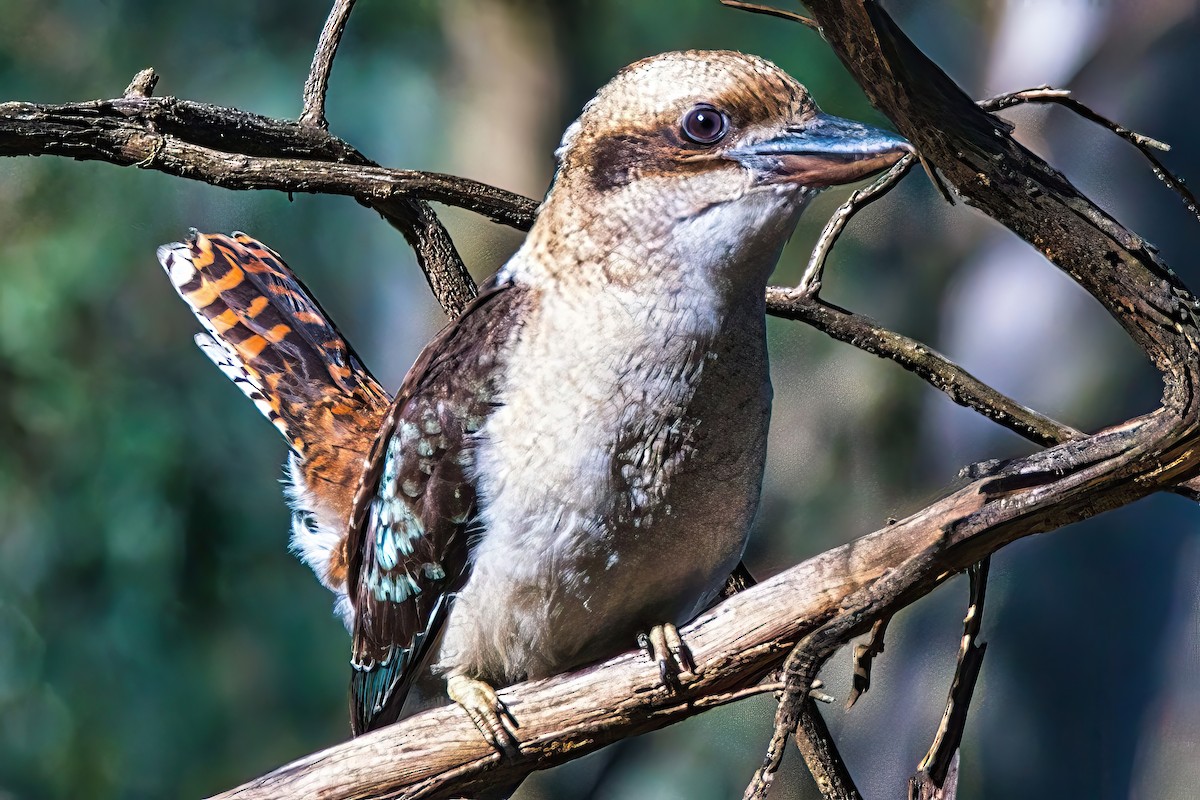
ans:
x=665 y=646
x=487 y=711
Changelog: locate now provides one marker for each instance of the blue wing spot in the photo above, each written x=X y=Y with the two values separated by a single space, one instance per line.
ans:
x=391 y=463
x=386 y=556
x=396 y=588
x=396 y=533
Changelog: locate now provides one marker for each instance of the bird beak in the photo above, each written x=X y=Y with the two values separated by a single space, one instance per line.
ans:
x=823 y=151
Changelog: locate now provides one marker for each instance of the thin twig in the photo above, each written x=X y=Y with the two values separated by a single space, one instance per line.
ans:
x=317 y=84
x=959 y=385
x=771 y=11
x=741 y=694
x=864 y=657
x=930 y=781
x=435 y=252
x=1146 y=145
x=810 y=281
x=816 y=692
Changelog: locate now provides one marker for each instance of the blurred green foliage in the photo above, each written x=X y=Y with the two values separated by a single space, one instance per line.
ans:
x=156 y=639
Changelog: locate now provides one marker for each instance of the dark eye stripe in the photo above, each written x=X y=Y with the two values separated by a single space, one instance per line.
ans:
x=613 y=161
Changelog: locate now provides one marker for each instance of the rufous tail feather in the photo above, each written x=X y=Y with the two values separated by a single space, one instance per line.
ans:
x=271 y=338
x=266 y=332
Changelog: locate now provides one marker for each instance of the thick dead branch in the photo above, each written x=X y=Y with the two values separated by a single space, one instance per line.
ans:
x=317 y=84
x=439 y=753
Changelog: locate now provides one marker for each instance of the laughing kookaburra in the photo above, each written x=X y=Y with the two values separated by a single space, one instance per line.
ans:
x=577 y=458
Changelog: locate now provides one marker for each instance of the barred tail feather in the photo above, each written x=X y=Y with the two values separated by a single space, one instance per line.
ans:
x=265 y=330
x=268 y=335
x=248 y=382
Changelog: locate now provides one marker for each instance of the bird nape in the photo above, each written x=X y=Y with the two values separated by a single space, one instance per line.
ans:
x=576 y=460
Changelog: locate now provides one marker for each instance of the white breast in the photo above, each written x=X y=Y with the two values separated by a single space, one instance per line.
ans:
x=597 y=498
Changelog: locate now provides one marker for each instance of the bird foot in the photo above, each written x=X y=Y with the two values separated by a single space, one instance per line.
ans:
x=664 y=644
x=487 y=711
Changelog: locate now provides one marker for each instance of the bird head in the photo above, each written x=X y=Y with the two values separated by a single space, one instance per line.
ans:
x=704 y=158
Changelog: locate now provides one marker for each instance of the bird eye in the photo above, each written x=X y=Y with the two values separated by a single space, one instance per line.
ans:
x=704 y=124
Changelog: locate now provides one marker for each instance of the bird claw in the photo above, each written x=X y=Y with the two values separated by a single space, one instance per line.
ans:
x=667 y=648
x=489 y=713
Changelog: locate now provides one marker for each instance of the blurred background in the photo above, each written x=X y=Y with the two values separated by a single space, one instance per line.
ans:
x=157 y=639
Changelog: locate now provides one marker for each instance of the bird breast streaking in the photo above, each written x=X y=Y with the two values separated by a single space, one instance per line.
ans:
x=577 y=459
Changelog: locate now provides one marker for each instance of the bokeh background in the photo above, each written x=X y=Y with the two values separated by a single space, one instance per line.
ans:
x=156 y=638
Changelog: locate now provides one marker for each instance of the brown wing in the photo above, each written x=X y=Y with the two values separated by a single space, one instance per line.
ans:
x=408 y=545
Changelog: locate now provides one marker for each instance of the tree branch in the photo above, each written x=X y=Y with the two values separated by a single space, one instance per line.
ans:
x=814 y=272
x=317 y=85
x=1145 y=144
x=229 y=148
x=142 y=84
x=931 y=366
x=438 y=258
x=829 y=598
x=862 y=659
x=237 y=150
x=439 y=754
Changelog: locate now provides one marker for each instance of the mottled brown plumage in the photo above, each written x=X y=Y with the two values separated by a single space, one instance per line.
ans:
x=268 y=334
x=616 y=470
x=578 y=457
x=415 y=502
x=628 y=133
